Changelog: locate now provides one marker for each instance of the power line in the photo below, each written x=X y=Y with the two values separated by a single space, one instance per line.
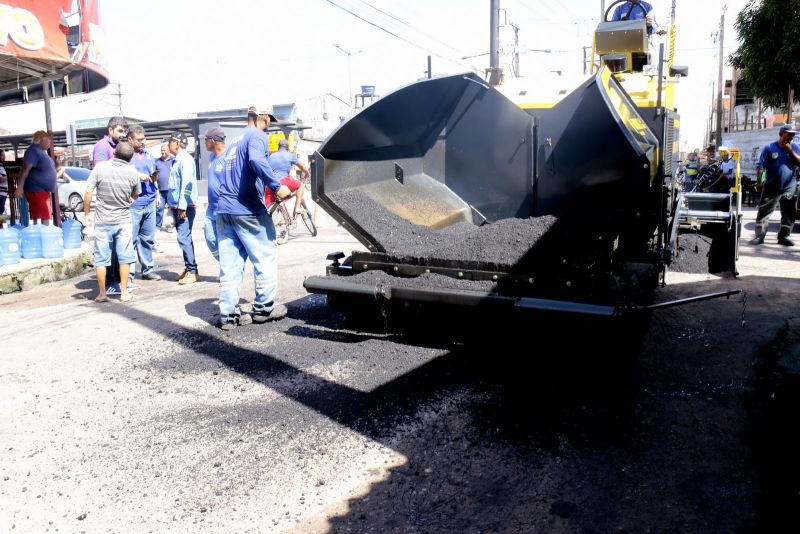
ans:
x=381 y=28
x=409 y=25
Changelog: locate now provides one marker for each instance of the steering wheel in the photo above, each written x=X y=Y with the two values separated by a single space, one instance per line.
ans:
x=636 y=3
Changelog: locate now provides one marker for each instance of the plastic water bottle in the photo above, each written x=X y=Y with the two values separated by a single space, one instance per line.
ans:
x=9 y=246
x=32 y=241
x=72 y=233
x=52 y=242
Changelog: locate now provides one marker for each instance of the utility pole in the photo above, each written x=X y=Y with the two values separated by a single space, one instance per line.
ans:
x=349 y=73
x=515 y=57
x=586 y=59
x=732 y=122
x=118 y=94
x=718 y=138
x=495 y=75
x=790 y=104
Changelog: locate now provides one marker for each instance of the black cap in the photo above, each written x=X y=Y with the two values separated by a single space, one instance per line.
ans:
x=215 y=134
x=180 y=137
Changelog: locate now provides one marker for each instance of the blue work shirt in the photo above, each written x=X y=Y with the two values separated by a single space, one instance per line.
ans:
x=281 y=162
x=780 y=169
x=630 y=11
x=182 y=182
x=216 y=166
x=164 y=167
x=246 y=175
x=144 y=164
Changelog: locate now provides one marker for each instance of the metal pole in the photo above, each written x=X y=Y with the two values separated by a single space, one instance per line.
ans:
x=48 y=119
x=430 y=74
x=718 y=138
x=789 y=105
x=494 y=43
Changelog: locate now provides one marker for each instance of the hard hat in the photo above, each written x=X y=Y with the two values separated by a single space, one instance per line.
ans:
x=723 y=150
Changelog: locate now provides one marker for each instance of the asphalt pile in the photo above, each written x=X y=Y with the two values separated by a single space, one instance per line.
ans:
x=503 y=243
x=692 y=255
x=431 y=280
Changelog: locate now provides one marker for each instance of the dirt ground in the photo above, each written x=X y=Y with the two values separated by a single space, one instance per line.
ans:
x=147 y=418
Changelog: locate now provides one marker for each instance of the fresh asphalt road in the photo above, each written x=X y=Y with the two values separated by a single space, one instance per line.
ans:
x=144 y=417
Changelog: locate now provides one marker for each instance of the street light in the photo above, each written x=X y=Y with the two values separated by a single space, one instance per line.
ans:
x=349 y=74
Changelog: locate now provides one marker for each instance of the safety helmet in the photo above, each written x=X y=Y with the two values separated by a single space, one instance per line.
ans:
x=724 y=150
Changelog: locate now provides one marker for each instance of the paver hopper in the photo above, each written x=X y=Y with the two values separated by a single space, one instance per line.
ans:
x=557 y=208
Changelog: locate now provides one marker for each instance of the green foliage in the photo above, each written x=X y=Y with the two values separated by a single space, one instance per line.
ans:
x=769 y=56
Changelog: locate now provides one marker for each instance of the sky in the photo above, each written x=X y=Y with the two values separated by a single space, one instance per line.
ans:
x=172 y=59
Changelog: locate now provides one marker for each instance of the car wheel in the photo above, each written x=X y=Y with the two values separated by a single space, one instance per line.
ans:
x=75 y=201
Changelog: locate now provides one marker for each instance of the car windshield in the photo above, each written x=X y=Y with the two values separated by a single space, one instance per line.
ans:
x=77 y=173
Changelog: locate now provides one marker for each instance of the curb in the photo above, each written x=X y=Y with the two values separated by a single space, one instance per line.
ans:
x=29 y=277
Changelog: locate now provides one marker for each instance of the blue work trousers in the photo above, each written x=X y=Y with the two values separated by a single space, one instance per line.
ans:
x=211 y=232
x=184 y=230
x=242 y=237
x=787 y=201
x=143 y=219
x=160 y=209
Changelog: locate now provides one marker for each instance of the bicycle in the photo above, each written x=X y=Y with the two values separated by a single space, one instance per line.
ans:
x=284 y=222
x=69 y=212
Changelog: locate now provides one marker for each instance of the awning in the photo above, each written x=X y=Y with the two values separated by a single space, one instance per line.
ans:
x=37 y=48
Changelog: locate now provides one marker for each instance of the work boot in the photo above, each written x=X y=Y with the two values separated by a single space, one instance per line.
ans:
x=184 y=273
x=278 y=311
x=758 y=240
x=229 y=322
x=190 y=278
x=151 y=276
x=785 y=241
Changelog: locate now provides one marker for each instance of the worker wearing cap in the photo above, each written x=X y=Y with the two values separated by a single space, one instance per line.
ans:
x=215 y=145
x=244 y=228
x=37 y=180
x=182 y=201
x=636 y=10
x=780 y=162
x=282 y=162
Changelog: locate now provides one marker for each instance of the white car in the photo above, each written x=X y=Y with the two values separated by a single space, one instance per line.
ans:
x=72 y=186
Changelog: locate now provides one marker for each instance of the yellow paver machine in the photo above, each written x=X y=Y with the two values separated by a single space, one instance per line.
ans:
x=466 y=194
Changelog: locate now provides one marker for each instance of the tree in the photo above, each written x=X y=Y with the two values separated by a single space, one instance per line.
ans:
x=769 y=56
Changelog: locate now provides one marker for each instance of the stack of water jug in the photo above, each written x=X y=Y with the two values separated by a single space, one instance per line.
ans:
x=37 y=241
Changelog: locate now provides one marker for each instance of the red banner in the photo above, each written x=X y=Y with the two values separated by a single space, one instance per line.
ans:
x=30 y=29
x=92 y=36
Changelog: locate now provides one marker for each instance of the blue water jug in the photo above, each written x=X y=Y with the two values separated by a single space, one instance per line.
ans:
x=52 y=242
x=18 y=227
x=9 y=246
x=72 y=233
x=32 y=241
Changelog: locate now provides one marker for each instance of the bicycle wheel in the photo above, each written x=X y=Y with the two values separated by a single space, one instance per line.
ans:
x=280 y=218
x=306 y=216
